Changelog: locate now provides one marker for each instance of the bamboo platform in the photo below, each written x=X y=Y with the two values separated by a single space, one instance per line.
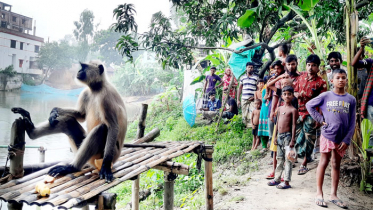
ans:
x=73 y=189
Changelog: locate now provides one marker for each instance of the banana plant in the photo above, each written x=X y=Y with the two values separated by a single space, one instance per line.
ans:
x=308 y=6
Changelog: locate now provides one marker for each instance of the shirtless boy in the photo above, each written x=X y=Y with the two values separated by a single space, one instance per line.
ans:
x=286 y=127
x=255 y=123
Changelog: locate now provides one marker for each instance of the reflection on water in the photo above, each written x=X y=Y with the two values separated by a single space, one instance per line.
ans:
x=39 y=106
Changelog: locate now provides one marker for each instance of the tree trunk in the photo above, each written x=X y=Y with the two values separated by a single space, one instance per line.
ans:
x=352 y=21
x=46 y=75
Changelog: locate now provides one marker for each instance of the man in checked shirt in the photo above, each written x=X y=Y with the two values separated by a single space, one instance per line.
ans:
x=308 y=86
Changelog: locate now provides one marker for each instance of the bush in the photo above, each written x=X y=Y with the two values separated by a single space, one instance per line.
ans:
x=9 y=71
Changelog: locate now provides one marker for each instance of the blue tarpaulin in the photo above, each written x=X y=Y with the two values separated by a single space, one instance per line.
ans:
x=50 y=90
x=237 y=62
x=189 y=110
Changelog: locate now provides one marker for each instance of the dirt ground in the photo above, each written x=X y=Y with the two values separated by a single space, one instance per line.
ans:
x=250 y=191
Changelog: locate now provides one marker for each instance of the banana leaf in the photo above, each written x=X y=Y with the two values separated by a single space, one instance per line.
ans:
x=366 y=129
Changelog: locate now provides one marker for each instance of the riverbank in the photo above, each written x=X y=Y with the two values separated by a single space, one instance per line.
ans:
x=239 y=177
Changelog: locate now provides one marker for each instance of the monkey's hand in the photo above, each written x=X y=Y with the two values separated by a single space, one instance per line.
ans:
x=26 y=117
x=62 y=170
x=105 y=172
x=53 y=116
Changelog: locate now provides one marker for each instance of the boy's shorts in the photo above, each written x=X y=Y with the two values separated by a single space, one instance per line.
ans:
x=327 y=146
x=255 y=131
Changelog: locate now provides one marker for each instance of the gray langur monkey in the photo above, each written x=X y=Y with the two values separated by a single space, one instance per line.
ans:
x=101 y=106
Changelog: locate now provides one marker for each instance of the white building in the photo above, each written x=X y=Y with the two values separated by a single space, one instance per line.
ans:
x=17 y=46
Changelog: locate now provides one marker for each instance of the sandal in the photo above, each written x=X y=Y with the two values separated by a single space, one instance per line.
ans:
x=320 y=202
x=283 y=186
x=273 y=183
x=271 y=176
x=302 y=170
x=339 y=203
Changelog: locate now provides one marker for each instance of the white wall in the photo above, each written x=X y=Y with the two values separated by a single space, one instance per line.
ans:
x=11 y=56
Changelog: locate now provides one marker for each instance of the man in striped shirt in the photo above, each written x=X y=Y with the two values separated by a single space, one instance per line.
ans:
x=247 y=88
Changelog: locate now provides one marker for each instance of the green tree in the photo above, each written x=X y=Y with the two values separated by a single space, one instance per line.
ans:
x=54 y=56
x=105 y=42
x=211 y=23
x=84 y=32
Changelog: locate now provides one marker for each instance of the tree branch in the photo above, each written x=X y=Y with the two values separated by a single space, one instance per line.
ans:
x=280 y=23
x=298 y=28
x=363 y=3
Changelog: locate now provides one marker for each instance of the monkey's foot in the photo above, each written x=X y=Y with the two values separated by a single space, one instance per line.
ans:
x=53 y=117
x=62 y=170
x=105 y=172
x=26 y=117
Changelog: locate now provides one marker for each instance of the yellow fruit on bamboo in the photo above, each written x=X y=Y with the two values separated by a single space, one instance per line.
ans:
x=49 y=179
x=42 y=189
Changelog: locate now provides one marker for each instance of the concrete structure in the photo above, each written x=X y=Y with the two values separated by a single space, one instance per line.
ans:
x=17 y=46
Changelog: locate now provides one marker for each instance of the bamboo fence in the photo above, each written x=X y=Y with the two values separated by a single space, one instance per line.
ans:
x=72 y=189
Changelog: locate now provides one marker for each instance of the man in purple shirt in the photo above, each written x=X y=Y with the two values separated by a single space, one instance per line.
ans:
x=338 y=119
x=210 y=83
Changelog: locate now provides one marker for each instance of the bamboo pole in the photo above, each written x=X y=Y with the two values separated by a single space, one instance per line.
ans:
x=98 y=186
x=176 y=168
x=144 y=145
x=15 y=206
x=140 y=134
x=17 y=141
x=225 y=101
x=352 y=22
x=141 y=125
x=149 y=136
x=208 y=180
x=31 y=168
x=168 y=198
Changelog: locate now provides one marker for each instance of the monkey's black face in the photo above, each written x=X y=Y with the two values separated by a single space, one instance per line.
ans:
x=82 y=75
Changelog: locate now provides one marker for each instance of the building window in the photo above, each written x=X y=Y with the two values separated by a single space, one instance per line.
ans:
x=20 y=63
x=13 y=43
x=36 y=49
x=23 y=21
x=21 y=46
x=14 y=19
x=2 y=15
x=3 y=24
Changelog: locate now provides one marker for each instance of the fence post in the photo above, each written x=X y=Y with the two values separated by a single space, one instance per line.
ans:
x=42 y=154
x=17 y=145
x=208 y=179
x=168 y=198
x=140 y=134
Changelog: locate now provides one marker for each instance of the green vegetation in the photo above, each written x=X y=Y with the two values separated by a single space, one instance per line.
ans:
x=230 y=142
x=145 y=77
x=9 y=71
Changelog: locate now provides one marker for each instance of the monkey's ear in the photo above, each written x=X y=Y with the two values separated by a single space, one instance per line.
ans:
x=101 y=68
x=83 y=65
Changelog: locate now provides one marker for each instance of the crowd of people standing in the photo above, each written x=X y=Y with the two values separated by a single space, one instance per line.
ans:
x=292 y=113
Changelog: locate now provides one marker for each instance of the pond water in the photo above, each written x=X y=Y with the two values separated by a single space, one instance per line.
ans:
x=39 y=105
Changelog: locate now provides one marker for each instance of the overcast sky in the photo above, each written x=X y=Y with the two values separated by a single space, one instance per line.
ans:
x=54 y=18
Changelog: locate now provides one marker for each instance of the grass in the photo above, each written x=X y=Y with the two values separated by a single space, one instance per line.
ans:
x=230 y=143
x=238 y=198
